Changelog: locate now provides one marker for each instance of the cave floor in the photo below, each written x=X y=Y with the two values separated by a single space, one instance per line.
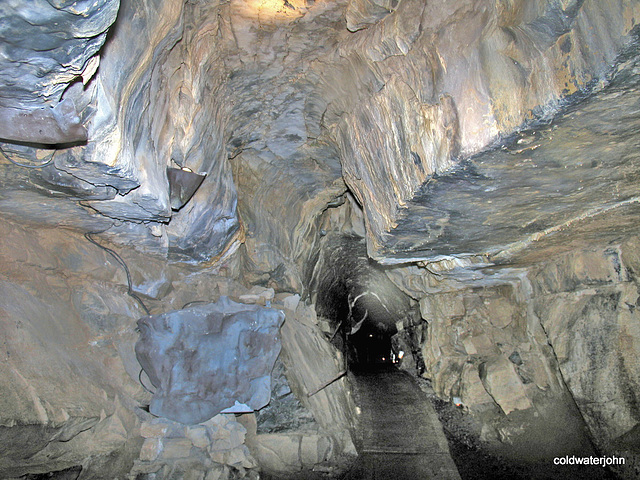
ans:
x=399 y=434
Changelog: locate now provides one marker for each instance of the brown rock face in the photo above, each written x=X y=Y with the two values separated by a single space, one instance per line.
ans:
x=498 y=65
x=458 y=178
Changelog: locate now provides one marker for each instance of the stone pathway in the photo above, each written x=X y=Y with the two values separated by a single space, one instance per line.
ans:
x=399 y=434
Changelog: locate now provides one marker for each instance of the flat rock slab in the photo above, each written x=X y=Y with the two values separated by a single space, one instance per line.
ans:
x=399 y=434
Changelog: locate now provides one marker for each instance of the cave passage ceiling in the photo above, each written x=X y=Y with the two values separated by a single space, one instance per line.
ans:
x=286 y=107
x=417 y=162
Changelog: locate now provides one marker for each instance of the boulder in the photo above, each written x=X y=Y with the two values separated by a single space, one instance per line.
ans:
x=501 y=380
x=203 y=359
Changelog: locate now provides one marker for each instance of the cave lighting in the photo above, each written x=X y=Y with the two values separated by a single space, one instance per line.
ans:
x=272 y=11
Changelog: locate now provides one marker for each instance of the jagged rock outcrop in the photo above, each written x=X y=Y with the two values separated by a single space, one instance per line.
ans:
x=70 y=382
x=559 y=332
x=312 y=121
x=214 y=449
x=587 y=304
x=46 y=47
x=154 y=103
x=316 y=373
x=67 y=375
x=401 y=67
x=479 y=71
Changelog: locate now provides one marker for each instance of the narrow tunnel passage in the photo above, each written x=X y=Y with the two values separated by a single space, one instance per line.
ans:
x=373 y=323
x=369 y=318
x=404 y=430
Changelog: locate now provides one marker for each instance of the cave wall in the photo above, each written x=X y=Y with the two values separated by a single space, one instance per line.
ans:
x=285 y=169
x=538 y=340
x=305 y=96
x=309 y=121
x=169 y=113
x=68 y=334
x=586 y=303
x=154 y=102
x=32 y=84
x=73 y=392
x=450 y=79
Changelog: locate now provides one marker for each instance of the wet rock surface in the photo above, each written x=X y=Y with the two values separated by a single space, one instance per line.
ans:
x=313 y=90
x=542 y=181
x=497 y=68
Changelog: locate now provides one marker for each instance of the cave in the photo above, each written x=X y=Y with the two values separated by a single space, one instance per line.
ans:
x=361 y=306
x=319 y=239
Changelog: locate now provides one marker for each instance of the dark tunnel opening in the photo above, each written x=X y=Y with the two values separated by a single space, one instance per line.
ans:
x=367 y=339
x=371 y=320
x=369 y=347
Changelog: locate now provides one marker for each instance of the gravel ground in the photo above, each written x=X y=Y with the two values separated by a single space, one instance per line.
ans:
x=478 y=460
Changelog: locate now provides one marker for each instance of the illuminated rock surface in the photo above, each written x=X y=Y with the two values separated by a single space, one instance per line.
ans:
x=456 y=179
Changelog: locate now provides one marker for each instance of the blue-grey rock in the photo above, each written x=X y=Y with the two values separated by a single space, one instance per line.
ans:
x=44 y=47
x=203 y=359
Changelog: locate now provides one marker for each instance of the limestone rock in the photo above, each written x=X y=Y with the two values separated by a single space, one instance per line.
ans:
x=599 y=311
x=282 y=453
x=285 y=412
x=176 y=448
x=198 y=435
x=291 y=302
x=286 y=111
x=443 y=306
x=151 y=449
x=215 y=448
x=501 y=381
x=426 y=145
x=503 y=81
x=66 y=395
x=472 y=391
x=228 y=438
x=362 y=13
x=216 y=354
x=46 y=47
x=258 y=295
x=142 y=77
x=316 y=374
x=483 y=327
x=278 y=453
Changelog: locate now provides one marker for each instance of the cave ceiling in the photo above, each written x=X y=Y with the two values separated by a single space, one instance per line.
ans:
x=468 y=128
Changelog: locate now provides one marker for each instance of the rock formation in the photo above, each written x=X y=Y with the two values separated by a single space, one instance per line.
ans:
x=458 y=177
